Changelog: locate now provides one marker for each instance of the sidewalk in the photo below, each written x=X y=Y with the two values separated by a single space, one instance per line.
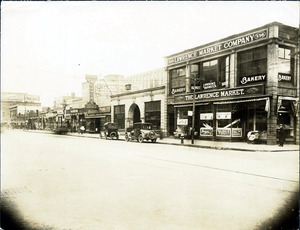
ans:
x=239 y=146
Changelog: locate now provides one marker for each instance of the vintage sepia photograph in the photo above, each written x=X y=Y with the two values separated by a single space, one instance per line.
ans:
x=139 y=115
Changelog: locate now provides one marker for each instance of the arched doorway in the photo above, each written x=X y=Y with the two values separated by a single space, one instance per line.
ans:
x=134 y=114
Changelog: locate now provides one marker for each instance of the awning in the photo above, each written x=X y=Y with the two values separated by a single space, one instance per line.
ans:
x=294 y=104
x=241 y=101
x=267 y=99
x=189 y=105
x=95 y=116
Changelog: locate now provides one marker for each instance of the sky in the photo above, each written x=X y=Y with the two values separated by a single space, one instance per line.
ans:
x=47 y=48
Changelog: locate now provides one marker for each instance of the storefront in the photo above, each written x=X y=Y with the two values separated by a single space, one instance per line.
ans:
x=95 y=120
x=238 y=84
x=148 y=105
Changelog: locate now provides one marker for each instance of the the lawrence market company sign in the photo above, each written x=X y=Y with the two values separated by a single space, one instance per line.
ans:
x=236 y=92
x=242 y=40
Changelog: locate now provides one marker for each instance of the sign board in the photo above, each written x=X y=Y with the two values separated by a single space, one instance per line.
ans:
x=236 y=132
x=218 y=47
x=206 y=116
x=282 y=77
x=206 y=132
x=177 y=90
x=182 y=121
x=223 y=132
x=210 y=85
x=190 y=113
x=227 y=93
x=253 y=79
x=223 y=115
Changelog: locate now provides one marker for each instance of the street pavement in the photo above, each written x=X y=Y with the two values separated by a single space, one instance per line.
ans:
x=65 y=182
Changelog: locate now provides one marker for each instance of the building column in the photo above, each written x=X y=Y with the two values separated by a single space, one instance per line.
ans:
x=272 y=89
x=188 y=78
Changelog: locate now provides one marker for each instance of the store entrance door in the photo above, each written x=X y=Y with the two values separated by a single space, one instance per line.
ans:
x=134 y=114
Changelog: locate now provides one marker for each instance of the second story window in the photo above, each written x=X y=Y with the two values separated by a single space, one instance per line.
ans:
x=285 y=66
x=177 y=80
x=252 y=66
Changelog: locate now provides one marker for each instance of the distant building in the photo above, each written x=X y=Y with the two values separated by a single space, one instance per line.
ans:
x=60 y=101
x=9 y=99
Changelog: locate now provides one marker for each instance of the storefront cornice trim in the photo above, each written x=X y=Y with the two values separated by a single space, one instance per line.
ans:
x=241 y=100
x=138 y=91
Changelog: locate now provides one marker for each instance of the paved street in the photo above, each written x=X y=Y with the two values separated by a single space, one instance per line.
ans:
x=69 y=182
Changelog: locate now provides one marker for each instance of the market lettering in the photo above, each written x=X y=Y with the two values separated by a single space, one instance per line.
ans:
x=243 y=40
x=245 y=80
x=235 y=92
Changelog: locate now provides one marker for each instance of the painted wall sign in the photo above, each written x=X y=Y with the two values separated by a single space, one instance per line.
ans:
x=206 y=116
x=223 y=132
x=284 y=77
x=253 y=79
x=177 y=90
x=233 y=92
x=223 y=115
x=182 y=121
x=236 y=42
x=206 y=132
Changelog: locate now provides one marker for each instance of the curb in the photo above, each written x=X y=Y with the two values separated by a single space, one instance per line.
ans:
x=178 y=144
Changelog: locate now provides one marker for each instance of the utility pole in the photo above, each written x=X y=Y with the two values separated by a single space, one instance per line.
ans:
x=193 y=117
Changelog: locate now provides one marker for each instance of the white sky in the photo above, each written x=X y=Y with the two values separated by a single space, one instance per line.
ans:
x=48 y=47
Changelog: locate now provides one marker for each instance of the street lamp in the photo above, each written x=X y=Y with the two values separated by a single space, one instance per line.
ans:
x=193 y=117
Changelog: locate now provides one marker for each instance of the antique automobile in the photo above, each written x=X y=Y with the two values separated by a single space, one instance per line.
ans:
x=140 y=132
x=111 y=130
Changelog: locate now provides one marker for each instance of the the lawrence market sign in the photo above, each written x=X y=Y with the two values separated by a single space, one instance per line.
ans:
x=236 y=92
x=242 y=40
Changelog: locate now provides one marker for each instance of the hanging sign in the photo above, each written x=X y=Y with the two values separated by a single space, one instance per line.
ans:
x=182 y=121
x=206 y=116
x=223 y=115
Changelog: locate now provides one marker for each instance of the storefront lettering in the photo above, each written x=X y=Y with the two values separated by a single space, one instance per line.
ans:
x=245 y=80
x=177 y=90
x=284 y=77
x=243 y=40
x=246 y=90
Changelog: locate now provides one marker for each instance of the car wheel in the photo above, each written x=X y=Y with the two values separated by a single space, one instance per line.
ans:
x=105 y=136
x=153 y=140
x=126 y=137
x=140 y=138
x=112 y=135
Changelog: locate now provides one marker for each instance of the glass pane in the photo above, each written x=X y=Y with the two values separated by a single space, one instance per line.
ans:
x=287 y=54
x=260 y=53
x=281 y=52
x=246 y=56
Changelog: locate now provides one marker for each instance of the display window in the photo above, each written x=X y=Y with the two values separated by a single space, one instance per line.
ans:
x=184 y=121
x=119 y=116
x=152 y=113
x=206 y=120
x=286 y=117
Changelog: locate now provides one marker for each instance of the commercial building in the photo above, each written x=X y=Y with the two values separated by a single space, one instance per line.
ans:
x=245 y=82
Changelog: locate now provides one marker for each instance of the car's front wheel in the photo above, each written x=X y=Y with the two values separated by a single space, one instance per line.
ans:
x=140 y=138
x=126 y=137
x=153 y=140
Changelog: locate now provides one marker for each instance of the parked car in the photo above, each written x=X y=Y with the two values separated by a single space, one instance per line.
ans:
x=111 y=130
x=141 y=131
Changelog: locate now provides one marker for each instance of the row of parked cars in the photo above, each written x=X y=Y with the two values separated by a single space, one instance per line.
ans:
x=140 y=131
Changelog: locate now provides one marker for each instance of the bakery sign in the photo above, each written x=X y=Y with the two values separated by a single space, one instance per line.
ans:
x=253 y=79
x=228 y=93
x=228 y=44
x=282 y=77
x=177 y=90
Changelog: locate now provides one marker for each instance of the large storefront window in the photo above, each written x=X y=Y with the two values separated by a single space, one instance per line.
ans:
x=252 y=66
x=285 y=66
x=206 y=120
x=178 y=80
x=152 y=113
x=184 y=121
x=119 y=116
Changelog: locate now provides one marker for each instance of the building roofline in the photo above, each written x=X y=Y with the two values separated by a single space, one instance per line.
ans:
x=138 y=91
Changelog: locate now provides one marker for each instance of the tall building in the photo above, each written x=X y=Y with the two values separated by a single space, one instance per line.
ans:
x=60 y=101
x=242 y=83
